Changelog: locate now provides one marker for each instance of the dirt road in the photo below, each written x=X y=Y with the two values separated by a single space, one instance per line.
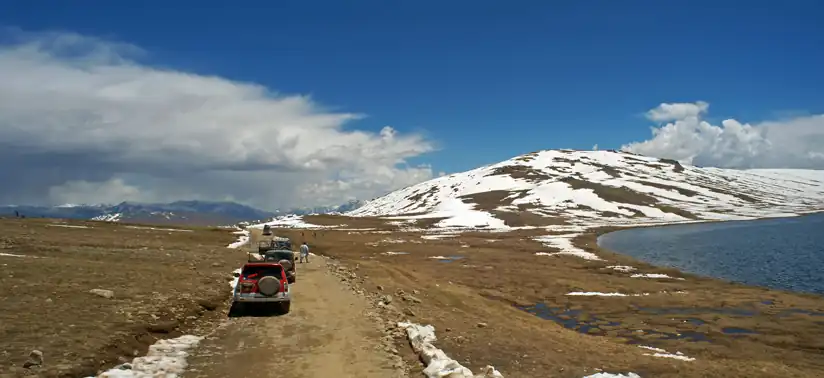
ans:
x=325 y=335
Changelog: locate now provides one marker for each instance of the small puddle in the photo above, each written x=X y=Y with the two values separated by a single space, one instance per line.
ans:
x=695 y=321
x=691 y=336
x=792 y=311
x=738 y=331
x=570 y=319
x=696 y=311
x=586 y=323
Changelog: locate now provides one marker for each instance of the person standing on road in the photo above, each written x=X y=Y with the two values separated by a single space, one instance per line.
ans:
x=304 y=252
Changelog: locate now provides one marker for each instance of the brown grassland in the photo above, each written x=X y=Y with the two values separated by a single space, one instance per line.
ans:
x=477 y=305
x=165 y=283
x=168 y=283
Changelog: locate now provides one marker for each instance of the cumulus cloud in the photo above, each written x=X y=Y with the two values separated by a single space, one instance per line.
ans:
x=82 y=120
x=791 y=143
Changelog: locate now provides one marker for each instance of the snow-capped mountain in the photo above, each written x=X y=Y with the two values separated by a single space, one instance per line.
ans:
x=557 y=187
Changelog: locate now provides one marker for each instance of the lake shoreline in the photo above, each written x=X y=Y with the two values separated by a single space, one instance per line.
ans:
x=599 y=232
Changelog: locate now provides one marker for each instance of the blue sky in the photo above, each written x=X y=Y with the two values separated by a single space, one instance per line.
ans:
x=485 y=80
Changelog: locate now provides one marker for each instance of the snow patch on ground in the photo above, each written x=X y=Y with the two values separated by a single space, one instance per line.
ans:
x=438 y=364
x=16 y=255
x=166 y=358
x=655 y=275
x=66 y=226
x=459 y=215
x=622 y=268
x=158 y=229
x=390 y=253
x=595 y=294
x=438 y=236
x=108 y=217
x=242 y=239
x=599 y=294
x=664 y=354
x=291 y=221
x=565 y=245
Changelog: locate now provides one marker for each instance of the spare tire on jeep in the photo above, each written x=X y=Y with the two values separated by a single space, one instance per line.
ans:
x=268 y=286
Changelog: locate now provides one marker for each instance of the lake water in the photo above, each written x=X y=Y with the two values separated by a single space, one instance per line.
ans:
x=785 y=253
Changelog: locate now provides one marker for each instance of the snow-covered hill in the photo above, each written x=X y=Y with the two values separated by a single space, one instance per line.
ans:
x=589 y=188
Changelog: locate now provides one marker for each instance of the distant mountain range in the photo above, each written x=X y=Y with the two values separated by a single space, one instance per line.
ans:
x=202 y=213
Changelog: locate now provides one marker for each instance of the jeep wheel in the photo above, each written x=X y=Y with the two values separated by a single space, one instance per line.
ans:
x=235 y=310
x=284 y=307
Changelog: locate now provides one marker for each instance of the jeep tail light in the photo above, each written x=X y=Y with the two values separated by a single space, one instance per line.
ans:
x=247 y=287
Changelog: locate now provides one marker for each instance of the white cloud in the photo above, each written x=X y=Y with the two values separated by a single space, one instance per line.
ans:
x=671 y=112
x=81 y=121
x=791 y=143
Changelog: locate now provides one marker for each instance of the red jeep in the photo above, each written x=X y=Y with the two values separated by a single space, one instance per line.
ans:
x=262 y=283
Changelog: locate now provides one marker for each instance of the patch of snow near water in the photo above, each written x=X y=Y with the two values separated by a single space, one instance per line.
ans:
x=595 y=294
x=390 y=253
x=655 y=275
x=622 y=268
x=599 y=294
x=242 y=239
x=438 y=364
x=166 y=358
x=564 y=244
x=664 y=354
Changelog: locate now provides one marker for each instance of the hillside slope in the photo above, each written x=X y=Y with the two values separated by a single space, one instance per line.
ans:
x=589 y=188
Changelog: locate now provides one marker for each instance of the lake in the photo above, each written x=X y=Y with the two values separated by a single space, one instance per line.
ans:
x=786 y=253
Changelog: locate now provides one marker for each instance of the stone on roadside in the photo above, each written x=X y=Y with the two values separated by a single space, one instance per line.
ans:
x=35 y=359
x=102 y=293
x=410 y=298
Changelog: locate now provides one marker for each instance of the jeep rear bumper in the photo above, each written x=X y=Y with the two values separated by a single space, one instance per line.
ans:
x=260 y=298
